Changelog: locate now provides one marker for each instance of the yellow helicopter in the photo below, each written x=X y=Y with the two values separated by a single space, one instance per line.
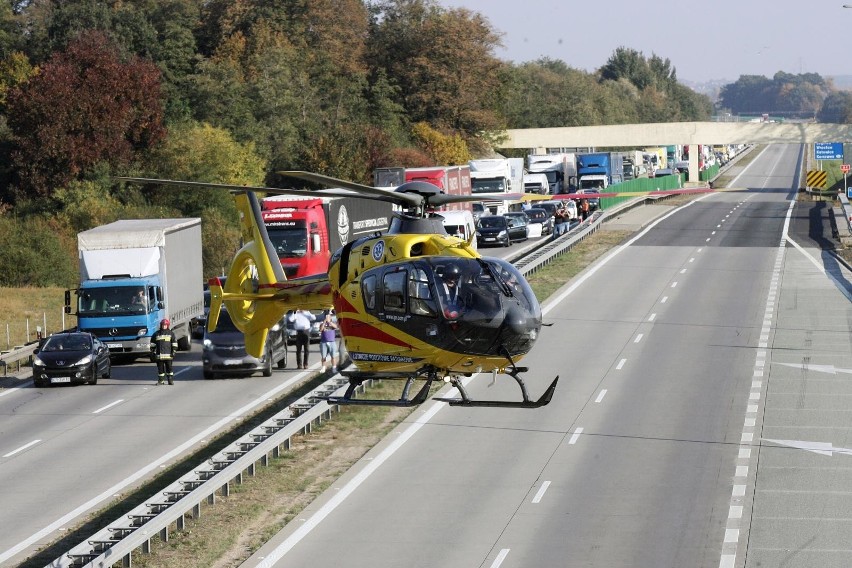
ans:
x=414 y=303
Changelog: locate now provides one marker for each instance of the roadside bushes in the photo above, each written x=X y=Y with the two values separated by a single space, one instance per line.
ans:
x=36 y=252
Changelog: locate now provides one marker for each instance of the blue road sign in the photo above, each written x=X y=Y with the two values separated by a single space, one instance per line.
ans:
x=828 y=150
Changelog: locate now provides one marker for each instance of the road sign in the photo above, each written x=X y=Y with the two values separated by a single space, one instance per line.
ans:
x=828 y=150
x=844 y=168
x=816 y=178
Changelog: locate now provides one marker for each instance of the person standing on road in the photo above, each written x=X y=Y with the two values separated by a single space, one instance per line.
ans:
x=301 y=320
x=584 y=208
x=328 y=342
x=164 y=346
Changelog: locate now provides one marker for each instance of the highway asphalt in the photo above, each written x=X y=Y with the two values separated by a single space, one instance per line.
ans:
x=703 y=376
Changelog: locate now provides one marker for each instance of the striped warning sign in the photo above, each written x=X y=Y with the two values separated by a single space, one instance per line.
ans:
x=816 y=178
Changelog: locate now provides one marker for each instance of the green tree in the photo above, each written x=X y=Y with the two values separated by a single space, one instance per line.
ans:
x=442 y=61
x=836 y=108
x=201 y=152
x=444 y=149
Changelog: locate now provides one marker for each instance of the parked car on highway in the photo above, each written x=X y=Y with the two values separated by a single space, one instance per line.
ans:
x=498 y=230
x=224 y=351
x=540 y=216
x=518 y=220
x=73 y=357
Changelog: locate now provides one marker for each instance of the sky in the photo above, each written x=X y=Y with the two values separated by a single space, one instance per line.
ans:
x=705 y=41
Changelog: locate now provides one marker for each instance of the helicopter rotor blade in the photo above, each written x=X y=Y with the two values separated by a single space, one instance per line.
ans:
x=443 y=198
x=202 y=184
x=404 y=199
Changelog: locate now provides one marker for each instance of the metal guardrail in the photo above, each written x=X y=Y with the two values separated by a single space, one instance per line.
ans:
x=116 y=542
x=16 y=355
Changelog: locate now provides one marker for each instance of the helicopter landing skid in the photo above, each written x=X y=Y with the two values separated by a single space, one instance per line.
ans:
x=357 y=378
x=465 y=399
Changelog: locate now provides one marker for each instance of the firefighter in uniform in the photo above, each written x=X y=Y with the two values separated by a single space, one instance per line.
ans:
x=164 y=345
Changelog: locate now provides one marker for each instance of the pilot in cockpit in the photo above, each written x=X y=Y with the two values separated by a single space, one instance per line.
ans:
x=450 y=287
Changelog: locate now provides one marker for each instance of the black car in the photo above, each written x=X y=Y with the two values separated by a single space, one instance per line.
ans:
x=497 y=230
x=518 y=220
x=75 y=357
x=224 y=351
x=540 y=216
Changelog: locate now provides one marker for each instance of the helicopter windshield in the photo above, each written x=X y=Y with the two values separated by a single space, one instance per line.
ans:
x=466 y=284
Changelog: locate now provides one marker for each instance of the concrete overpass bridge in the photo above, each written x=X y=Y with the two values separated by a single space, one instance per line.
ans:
x=683 y=133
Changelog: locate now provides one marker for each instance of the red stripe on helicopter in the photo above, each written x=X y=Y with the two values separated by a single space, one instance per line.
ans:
x=351 y=328
x=342 y=306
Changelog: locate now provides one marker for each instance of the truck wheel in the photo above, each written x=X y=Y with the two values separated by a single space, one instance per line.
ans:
x=208 y=375
x=184 y=343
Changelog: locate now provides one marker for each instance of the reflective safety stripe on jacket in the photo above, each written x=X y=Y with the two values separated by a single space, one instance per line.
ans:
x=165 y=344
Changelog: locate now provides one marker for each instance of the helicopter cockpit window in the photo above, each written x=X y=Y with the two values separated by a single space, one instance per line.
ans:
x=419 y=294
x=368 y=289
x=394 y=291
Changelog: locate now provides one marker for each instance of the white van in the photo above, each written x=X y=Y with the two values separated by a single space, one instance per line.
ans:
x=460 y=224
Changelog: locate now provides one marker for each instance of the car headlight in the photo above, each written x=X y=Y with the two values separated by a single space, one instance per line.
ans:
x=207 y=344
x=142 y=331
x=37 y=361
x=502 y=234
x=85 y=360
x=478 y=234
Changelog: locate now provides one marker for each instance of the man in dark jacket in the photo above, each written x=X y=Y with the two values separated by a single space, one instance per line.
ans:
x=164 y=346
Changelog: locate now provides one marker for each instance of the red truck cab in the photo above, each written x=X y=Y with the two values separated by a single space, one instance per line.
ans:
x=298 y=231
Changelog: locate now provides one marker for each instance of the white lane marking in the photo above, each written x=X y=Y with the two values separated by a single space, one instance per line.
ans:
x=110 y=405
x=638 y=338
x=819 y=267
x=108 y=493
x=683 y=271
x=652 y=317
x=664 y=300
x=588 y=274
x=314 y=520
x=541 y=491
x=692 y=259
x=7 y=391
x=735 y=512
x=732 y=535
x=601 y=395
x=575 y=436
x=674 y=284
x=21 y=449
x=620 y=364
x=500 y=558
x=707 y=240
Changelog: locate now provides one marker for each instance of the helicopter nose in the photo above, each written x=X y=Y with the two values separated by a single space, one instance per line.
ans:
x=517 y=321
